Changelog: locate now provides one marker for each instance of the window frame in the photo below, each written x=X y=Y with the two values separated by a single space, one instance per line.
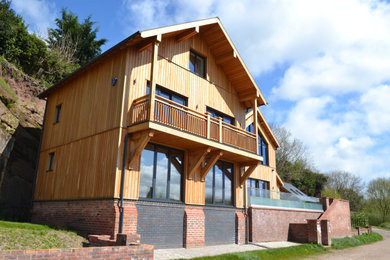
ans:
x=212 y=171
x=261 y=142
x=168 y=181
x=220 y=114
x=197 y=55
x=50 y=164
x=257 y=186
x=57 y=114
x=169 y=92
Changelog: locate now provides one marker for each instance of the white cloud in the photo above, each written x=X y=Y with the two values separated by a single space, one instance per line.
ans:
x=38 y=14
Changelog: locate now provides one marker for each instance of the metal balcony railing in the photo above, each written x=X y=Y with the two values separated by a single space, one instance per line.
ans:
x=182 y=118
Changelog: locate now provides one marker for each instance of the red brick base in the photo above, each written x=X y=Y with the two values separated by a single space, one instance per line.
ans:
x=194 y=227
x=240 y=227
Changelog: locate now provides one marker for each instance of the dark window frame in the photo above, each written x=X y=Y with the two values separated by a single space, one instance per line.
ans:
x=215 y=114
x=257 y=185
x=212 y=171
x=57 y=114
x=153 y=198
x=171 y=94
x=197 y=55
x=51 y=162
x=261 y=143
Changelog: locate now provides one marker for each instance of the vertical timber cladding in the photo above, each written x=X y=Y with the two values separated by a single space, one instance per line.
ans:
x=160 y=224
x=220 y=225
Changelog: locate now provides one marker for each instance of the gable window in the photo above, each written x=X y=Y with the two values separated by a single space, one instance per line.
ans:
x=57 y=114
x=263 y=149
x=250 y=128
x=161 y=173
x=168 y=94
x=198 y=64
x=219 y=184
x=258 y=188
x=216 y=114
x=51 y=162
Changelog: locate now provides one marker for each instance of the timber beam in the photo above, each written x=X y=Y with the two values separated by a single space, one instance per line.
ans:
x=248 y=96
x=197 y=159
x=148 y=43
x=214 y=158
x=187 y=34
x=225 y=57
x=139 y=146
x=248 y=172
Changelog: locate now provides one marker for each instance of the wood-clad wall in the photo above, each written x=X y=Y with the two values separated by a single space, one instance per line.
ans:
x=85 y=140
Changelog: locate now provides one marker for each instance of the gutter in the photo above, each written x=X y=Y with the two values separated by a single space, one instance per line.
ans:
x=121 y=210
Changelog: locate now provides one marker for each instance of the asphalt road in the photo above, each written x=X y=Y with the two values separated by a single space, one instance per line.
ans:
x=375 y=251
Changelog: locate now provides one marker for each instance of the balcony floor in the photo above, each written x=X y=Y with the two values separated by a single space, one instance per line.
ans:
x=174 y=138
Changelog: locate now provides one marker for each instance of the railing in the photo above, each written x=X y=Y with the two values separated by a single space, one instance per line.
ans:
x=261 y=197
x=181 y=117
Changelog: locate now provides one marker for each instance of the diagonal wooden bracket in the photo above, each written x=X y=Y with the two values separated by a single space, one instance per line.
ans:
x=187 y=34
x=148 y=43
x=139 y=147
x=214 y=158
x=198 y=158
x=247 y=173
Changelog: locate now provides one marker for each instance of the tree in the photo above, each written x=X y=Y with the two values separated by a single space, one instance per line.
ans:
x=378 y=192
x=80 y=37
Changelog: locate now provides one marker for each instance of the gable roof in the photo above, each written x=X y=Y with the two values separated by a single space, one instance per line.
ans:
x=264 y=125
x=215 y=36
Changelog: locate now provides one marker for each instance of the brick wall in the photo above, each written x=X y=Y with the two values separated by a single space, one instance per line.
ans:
x=339 y=216
x=298 y=232
x=267 y=224
x=123 y=252
x=194 y=227
x=160 y=224
x=220 y=225
x=240 y=227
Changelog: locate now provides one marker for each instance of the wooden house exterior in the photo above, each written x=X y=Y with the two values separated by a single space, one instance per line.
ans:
x=151 y=139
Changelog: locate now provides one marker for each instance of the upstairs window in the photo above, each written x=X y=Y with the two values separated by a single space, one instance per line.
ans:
x=161 y=173
x=258 y=188
x=168 y=94
x=263 y=149
x=250 y=128
x=51 y=162
x=216 y=114
x=198 y=64
x=57 y=114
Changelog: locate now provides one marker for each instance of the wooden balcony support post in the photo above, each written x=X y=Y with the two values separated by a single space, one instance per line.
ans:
x=196 y=158
x=248 y=172
x=255 y=123
x=153 y=76
x=214 y=157
x=138 y=146
x=208 y=125
x=220 y=129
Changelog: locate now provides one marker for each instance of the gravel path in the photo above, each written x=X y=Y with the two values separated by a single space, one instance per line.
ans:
x=162 y=254
x=375 y=251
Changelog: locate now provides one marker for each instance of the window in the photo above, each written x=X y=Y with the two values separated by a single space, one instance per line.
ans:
x=161 y=173
x=216 y=114
x=165 y=93
x=219 y=184
x=58 y=113
x=263 y=146
x=263 y=149
x=198 y=64
x=258 y=188
x=51 y=162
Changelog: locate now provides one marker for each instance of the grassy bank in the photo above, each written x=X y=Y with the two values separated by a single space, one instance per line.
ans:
x=15 y=235
x=346 y=242
x=292 y=252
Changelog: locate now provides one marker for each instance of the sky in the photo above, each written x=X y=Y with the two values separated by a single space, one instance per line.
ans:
x=323 y=66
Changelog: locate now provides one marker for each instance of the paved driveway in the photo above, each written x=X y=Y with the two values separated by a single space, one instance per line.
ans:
x=376 y=251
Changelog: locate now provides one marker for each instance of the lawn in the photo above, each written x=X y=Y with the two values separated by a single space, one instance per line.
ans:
x=15 y=235
x=346 y=242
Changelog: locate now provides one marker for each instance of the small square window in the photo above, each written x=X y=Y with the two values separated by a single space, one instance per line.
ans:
x=58 y=114
x=198 y=64
x=51 y=162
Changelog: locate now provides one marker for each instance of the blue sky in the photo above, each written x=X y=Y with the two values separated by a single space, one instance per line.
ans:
x=323 y=66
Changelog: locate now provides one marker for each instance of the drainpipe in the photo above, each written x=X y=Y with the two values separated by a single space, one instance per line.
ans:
x=246 y=217
x=121 y=211
x=37 y=161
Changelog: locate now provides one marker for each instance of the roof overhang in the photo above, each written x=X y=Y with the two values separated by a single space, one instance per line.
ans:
x=217 y=39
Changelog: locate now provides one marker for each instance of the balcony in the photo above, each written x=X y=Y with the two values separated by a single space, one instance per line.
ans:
x=274 y=199
x=182 y=118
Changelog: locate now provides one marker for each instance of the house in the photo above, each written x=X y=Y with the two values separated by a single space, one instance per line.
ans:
x=153 y=138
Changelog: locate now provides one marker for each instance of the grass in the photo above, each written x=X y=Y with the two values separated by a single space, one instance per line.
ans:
x=384 y=225
x=15 y=235
x=346 y=242
x=293 y=252
x=4 y=85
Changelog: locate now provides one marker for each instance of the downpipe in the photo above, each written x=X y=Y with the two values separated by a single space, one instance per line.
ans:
x=121 y=210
